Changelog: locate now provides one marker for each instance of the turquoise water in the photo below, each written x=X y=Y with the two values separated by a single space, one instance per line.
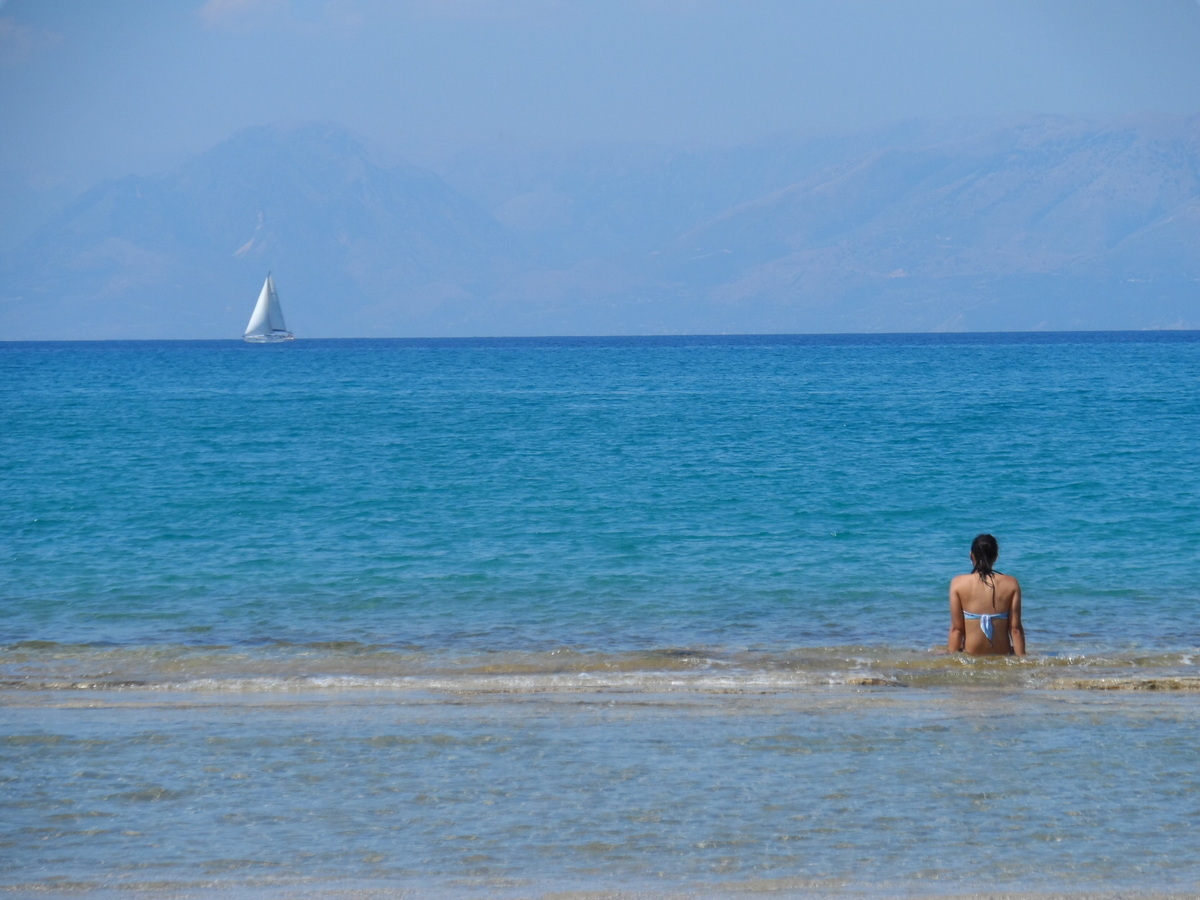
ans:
x=647 y=615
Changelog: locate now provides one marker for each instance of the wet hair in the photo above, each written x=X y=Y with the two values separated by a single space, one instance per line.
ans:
x=984 y=550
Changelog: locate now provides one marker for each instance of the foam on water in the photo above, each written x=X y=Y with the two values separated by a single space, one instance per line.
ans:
x=43 y=666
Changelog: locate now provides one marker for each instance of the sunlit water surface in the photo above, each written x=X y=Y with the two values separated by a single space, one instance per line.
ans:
x=639 y=615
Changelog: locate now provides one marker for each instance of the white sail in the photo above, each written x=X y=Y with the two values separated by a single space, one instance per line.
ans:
x=266 y=322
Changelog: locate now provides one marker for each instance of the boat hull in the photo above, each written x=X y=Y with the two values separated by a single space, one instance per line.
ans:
x=273 y=338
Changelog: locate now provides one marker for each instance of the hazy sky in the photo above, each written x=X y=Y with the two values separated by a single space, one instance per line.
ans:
x=91 y=89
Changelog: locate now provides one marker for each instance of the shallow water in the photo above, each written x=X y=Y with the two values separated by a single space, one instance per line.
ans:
x=874 y=790
x=643 y=615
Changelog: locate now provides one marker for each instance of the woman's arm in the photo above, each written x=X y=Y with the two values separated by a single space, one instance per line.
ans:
x=958 y=625
x=1016 y=631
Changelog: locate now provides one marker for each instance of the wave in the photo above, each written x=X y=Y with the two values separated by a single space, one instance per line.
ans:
x=349 y=665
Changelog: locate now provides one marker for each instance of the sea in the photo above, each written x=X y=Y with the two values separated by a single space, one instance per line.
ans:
x=597 y=617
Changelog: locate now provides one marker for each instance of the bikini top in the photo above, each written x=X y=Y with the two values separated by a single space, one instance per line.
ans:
x=985 y=621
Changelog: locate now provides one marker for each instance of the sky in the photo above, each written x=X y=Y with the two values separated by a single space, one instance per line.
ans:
x=100 y=89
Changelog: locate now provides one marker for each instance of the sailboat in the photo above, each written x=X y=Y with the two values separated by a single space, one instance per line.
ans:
x=266 y=322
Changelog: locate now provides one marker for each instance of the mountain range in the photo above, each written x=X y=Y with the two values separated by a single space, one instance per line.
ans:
x=987 y=225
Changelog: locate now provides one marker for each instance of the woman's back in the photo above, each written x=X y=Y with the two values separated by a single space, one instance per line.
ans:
x=994 y=598
x=985 y=606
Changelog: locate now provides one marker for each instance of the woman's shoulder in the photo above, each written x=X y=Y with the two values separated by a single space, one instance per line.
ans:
x=960 y=582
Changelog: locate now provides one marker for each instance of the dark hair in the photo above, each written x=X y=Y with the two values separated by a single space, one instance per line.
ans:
x=984 y=550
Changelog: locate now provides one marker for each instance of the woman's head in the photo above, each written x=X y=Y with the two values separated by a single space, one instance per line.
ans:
x=984 y=550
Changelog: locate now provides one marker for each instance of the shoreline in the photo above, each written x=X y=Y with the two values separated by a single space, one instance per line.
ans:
x=798 y=888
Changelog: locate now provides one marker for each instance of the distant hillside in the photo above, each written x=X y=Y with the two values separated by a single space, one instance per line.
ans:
x=1049 y=224
x=356 y=249
x=979 y=225
x=975 y=225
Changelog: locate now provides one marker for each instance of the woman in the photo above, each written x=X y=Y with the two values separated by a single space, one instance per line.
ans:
x=985 y=606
